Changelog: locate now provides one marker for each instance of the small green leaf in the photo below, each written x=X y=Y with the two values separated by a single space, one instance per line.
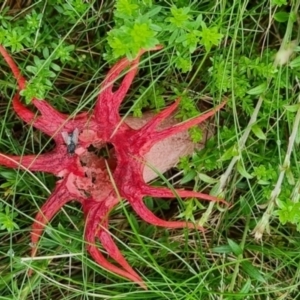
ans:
x=244 y=206
x=281 y=16
x=278 y=2
x=31 y=69
x=263 y=182
x=198 y=22
x=246 y=288
x=281 y=204
x=258 y=90
x=172 y=37
x=46 y=52
x=236 y=249
x=224 y=249
x=183 y=64
x=133 y=222
x=153 y=11
x=180 y=17
x=156 y=27
x=55 y=67
x=252 y=271
x=229 y=153
x=293 y=16
x=188 y=177
x=210 y=37
x=258 y=132
x=292 y=108
x=290 y=176
x=295 y=63
x=126 y=9
x=242 y=171
x=149 y=202
x=207 y=179
x=37 y=61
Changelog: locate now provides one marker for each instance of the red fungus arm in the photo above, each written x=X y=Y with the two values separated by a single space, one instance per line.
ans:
x=104 y=236
x=151 y=126
x=144 y=138
x=53 y=162
x=108 y=102
x=112 y=249
x=50 y=121
x=59 y=197
x=161 y=192
x=137 y=203
x=49 y=124
x=22 y=111
x=184 y=125
x=15 y=70
x=93 y=229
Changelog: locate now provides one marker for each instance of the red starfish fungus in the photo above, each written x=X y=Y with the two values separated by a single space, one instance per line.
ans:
x=84 y=176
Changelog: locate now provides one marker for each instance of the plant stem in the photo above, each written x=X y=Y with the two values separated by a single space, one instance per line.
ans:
x=239 y=257
x=263 y=223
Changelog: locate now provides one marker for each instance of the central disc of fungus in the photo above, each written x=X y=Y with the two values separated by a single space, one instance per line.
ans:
x=98 y=163
x=100 y=183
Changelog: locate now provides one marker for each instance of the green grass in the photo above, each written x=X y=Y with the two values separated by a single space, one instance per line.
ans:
x=66 y=48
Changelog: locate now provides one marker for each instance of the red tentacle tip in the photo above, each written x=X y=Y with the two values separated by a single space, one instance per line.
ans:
x=93 y=180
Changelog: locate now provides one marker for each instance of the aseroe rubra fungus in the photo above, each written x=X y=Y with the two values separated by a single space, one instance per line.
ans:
x=84 y=176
